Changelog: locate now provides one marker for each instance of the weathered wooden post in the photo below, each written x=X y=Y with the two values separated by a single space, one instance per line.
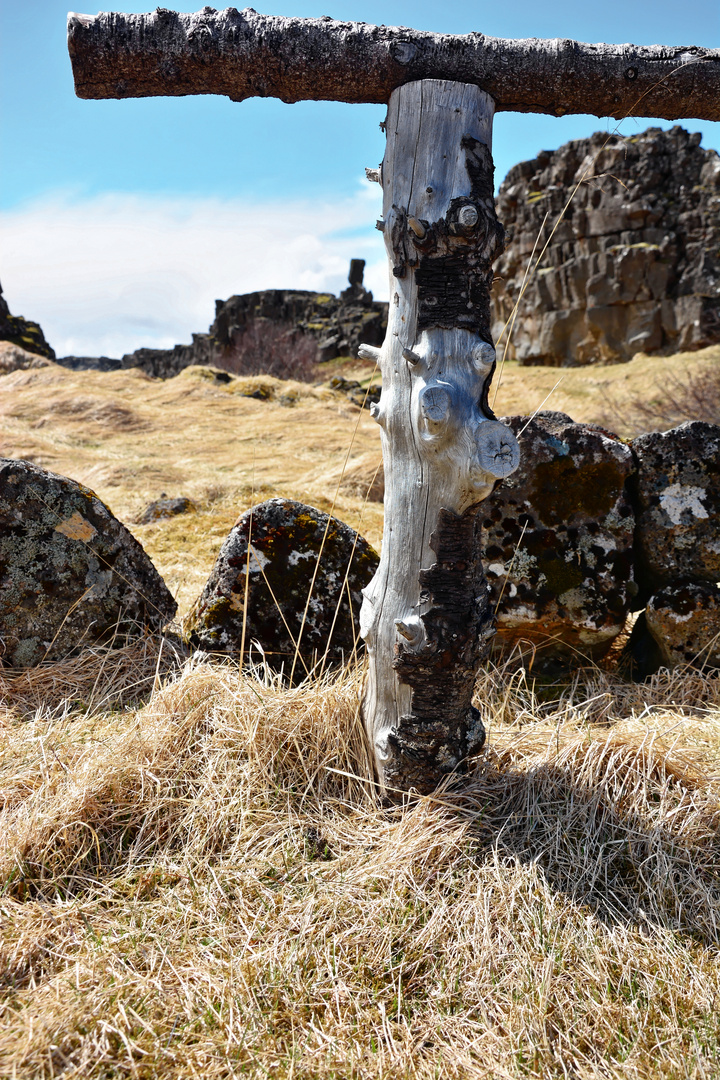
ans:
x=425 y=618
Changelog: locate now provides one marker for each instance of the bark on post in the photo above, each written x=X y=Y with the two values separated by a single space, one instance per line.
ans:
x=244 y=54
x=426 y=617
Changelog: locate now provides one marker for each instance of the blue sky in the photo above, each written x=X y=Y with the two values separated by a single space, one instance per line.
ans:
x=121 y=221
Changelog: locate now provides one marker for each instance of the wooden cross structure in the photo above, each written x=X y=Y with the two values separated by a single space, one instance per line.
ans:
x=426 y=617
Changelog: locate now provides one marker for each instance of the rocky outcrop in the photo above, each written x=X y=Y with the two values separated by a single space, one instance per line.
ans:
x=335 y=325
x=634 y=264
x=90 y=363
x=362 y=396
x=678 y=505
x=589 y=529
x=558 y=542
x=285 y=538
x=676 y=491
x=70 y=573
x=165 y=363
x=22 y=332
x=166 y=507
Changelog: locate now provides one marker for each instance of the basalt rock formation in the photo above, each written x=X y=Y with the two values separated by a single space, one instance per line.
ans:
x=336 y=326
x=22 y=332
x=684 y=621
x=676 y=492
x=633 y=266
x=558 y=542
x=589 y=529
x=678 y=505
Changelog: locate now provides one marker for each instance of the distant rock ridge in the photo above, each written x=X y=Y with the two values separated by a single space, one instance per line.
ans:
x=634 y=266
x=338 y=325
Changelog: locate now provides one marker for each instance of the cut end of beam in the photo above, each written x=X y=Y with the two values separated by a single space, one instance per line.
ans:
x=76 y=20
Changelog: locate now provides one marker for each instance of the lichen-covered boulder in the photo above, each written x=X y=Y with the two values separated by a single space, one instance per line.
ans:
x=684 y=620
x=166 y=507
x=285 y=538
x=678 y=505
x=558 y=544
x=70 y=573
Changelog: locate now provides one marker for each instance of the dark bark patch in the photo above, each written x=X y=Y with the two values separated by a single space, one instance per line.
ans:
x=444 y=728
x=453 y=259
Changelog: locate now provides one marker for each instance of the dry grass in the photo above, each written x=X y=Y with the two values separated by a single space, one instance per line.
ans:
x=681 y=392
x=207 y=887
x=609 y=394
x=225 y=445
x=100 y=678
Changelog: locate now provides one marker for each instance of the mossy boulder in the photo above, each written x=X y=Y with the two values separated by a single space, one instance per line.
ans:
x=558 y=542
x=166 y=507
x=70 y=573
x=285 y=538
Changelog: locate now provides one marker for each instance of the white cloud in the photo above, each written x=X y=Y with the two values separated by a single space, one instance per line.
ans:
x=108 y=274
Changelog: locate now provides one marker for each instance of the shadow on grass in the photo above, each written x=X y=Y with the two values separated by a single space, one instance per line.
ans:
x=618 y=826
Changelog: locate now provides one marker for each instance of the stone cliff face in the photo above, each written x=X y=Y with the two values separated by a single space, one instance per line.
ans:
x=634 y=265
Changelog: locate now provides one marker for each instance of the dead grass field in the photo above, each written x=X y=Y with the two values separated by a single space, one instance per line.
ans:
x=205 y=884
x=208 y=887
x=131 y=438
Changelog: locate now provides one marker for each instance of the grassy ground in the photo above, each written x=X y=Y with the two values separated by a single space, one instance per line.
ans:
x=131 y=438
x=203 y=883
x=208 y=887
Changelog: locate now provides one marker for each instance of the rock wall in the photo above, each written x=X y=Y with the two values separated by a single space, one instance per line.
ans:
x=558 y=542
x=589 y=529
x=634 y=265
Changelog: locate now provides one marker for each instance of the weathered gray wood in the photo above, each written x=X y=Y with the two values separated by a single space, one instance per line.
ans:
x=425 y=617
x=244 y=54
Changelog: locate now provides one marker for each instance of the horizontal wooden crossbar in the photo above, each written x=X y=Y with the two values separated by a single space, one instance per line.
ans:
x=242 y=54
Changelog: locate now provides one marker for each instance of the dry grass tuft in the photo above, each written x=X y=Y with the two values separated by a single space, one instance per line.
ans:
x=99 y=678
x=209 y=886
